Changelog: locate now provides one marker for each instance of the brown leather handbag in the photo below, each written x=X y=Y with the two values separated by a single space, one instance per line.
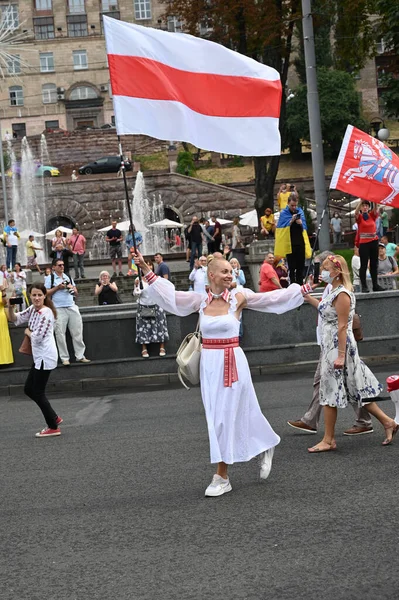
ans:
x=357 y=328
x=26 y=346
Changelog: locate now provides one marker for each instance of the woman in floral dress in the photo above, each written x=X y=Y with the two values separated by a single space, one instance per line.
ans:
x=149 y=329
x=344 y=376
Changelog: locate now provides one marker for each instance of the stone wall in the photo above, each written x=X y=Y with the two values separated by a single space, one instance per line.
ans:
x=74 y=149
x=92 y=203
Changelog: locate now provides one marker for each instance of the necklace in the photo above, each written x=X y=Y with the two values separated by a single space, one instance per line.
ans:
x=216 y=295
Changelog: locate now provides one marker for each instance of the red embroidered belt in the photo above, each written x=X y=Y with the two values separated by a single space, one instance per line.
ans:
x=228 y=345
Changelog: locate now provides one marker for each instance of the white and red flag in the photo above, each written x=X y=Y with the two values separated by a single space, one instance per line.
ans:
x=367 y=168
x=174 y=86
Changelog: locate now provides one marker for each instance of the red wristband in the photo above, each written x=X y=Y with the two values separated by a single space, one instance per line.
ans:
x=150 y=277
x=306 y=289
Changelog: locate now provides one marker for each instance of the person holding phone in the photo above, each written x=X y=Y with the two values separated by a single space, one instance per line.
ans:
x=40 y=317
x=6 y=355
x=344 y=378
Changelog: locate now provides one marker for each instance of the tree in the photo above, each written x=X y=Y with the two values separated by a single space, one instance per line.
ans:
x=339 y=105
x=261 y=29
x=185 y=164
x=391 y=97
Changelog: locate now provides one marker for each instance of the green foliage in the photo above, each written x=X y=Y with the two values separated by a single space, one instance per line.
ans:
x=7 y=161
x=237 y=161
x=339 y=105
x=391 y=97
x=185 y=164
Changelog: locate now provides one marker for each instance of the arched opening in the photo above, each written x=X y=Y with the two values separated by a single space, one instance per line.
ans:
x=172 y=214
x=59 y=221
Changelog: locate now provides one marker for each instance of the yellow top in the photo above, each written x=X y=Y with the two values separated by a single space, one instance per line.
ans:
x=30 y=248
x=267 y=222
x=282 y=200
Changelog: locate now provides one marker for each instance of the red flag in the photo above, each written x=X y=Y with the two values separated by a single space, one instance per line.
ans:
x=367 y=168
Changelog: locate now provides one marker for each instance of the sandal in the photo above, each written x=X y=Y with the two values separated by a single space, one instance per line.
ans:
x=316 y=450
x=162 y=352
x=395 y=428
x=145 y=354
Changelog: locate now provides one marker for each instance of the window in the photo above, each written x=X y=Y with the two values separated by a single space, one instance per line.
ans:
x=79 y=59
x=115 y=14
x=46 y=62
x=77 y=25
x=76 y=6
x=43 y=5
x=83 y=93
x=14 y=65
x=113 y=120
x=109 y=5
x=18 y=130
x=174 y=24
x=49 y=93
x=10 y=15
x=51 y=125
x=44 y=28
x=142 y=9
x=16 y=95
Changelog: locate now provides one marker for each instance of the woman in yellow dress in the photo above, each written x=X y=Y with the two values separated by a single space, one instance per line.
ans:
x=6 y=355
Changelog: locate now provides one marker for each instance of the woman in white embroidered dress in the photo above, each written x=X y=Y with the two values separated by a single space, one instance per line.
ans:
x=237 y=429
x=40 y=319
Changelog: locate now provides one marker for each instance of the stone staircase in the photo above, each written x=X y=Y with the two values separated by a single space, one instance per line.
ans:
x=73 y=149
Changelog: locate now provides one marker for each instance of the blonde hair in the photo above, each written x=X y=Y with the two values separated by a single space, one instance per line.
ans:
x=104 y=273
x=234 y=259
x=342 y=268
x=209 y=258
x=214 y=263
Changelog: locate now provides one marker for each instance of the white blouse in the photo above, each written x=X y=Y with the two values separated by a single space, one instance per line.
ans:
x=163 y=293
x=41 y=324
x=142 y=295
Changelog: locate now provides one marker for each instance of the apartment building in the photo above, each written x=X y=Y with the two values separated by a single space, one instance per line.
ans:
x=66 y=84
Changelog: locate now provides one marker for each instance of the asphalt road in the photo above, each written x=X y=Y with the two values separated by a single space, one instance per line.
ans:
x=114 y=508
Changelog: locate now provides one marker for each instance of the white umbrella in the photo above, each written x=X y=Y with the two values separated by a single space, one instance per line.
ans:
x=122 y=226
x=352 y=203
x=51 y=234
x=221 y=221
x=27 y=232
x=249 y=219
x=167 y=224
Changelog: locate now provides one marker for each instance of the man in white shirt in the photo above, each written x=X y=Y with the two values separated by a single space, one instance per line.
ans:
x=62 y=290
x=336 y=228
x=11 y=237
x=198 y=274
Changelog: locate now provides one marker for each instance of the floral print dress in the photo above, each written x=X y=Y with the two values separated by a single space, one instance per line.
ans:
x=355 y=383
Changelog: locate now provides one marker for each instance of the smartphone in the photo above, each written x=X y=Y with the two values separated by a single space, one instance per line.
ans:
x=316 y=272
x=16 y=301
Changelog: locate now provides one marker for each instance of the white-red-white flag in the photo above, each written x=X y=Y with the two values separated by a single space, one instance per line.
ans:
x=174 y=86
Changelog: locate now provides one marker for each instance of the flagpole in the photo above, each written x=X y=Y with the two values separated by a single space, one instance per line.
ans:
x=129 y=208
x=316 y=140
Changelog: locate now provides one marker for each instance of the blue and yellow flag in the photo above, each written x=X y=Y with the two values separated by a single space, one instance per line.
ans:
x=282 y=246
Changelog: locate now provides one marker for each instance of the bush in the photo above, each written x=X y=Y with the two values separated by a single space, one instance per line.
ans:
x=185 y=164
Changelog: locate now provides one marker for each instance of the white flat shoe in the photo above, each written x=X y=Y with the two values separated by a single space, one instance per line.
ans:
x=218 y=487
x=266 y=459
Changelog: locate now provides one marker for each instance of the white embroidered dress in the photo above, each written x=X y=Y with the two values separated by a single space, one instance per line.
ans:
x=237 y=429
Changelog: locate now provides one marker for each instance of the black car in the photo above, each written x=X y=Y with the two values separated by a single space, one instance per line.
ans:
x=107 y=164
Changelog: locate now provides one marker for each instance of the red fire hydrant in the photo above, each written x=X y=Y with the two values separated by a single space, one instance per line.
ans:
x=393 y=389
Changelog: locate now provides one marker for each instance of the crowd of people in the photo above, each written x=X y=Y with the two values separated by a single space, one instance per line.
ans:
x=238 y=431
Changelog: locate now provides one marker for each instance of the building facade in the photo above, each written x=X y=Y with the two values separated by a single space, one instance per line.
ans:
x=66 y=84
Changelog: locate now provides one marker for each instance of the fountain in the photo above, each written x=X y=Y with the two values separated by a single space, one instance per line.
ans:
x=28 y=204
x=145 y=212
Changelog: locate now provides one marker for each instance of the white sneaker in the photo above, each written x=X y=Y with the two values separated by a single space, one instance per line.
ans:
x=218 y=486
x=265 y=460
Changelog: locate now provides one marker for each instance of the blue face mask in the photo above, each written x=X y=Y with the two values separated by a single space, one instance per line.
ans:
x=366 y=216
x=326 y=277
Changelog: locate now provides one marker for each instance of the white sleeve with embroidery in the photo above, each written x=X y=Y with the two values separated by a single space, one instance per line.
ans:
x=162 y=292
x=277 y=301
x=23 y=317
x=43 y=326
